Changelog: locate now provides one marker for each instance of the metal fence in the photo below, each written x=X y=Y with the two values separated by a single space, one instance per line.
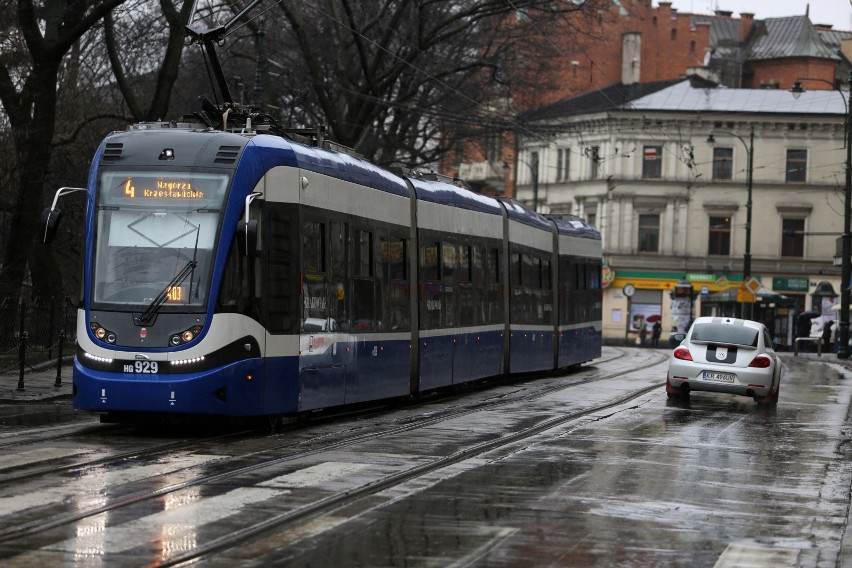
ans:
x=36 y=335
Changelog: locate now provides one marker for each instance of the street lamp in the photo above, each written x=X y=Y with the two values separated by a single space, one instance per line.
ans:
x=846 y=250
x=534 y=173
x=749 y=173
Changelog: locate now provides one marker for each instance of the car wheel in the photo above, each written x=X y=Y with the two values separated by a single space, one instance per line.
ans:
x=769 y=400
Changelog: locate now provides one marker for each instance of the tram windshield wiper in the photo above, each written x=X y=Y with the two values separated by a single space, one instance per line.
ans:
x=148 y=315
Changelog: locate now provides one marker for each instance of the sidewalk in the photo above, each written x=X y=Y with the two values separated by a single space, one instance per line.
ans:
x=38 y=386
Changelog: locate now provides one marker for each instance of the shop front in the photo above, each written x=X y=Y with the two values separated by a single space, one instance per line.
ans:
x=636 y=298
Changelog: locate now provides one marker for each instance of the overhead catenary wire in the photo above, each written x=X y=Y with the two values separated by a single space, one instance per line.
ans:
x=485 y=117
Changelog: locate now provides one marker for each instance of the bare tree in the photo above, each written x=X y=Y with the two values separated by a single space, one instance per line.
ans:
x=389 y=78
x=29 y=75
x=153 y=65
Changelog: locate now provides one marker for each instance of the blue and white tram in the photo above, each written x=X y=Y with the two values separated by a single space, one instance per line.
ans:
x=245 y=274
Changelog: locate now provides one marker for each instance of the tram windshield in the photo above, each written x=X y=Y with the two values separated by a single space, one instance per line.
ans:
x=154 y=238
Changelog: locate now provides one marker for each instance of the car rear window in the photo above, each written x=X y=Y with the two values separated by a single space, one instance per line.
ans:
x=724 y=333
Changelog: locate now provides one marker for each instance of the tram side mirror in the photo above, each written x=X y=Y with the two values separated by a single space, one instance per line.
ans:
x=50 y=219
x=247 y=238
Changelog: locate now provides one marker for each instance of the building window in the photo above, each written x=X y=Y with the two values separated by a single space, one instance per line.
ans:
x=649 y=233
x=594 y=154
x=590 y=219
x=797 y=165
x=723 y=160
x=562 y=163
x=793 y=238
x=720 y=236
x=652 y=162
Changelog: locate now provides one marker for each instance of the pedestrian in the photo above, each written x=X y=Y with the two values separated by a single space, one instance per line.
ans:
x=656 y=332
x=643 y=333
x=826 y=336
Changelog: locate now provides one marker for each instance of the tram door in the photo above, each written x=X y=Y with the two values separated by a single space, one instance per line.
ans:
x=322 y=369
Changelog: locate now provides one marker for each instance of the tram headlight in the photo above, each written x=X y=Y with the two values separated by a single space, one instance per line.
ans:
x=185 y=336
x=101 y=333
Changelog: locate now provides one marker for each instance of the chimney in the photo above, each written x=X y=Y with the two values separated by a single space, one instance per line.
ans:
x=723 y=13
x=746 y=23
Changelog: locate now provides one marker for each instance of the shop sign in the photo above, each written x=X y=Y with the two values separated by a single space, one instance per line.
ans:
x=790 y=284
x=701 y=277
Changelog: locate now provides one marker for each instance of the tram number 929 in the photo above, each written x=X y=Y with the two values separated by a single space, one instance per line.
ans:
x=144 y=367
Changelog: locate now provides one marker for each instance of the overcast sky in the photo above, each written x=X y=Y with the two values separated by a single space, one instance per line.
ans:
x=838 y=13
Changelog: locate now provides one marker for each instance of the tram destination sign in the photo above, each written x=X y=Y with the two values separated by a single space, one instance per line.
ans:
x=161 y=189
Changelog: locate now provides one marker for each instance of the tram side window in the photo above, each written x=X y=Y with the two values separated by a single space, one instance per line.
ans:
x=582 y=287
x=571 y=294
x=448 y=281
x=313 y=247
x=563 y=285
x=396 y=257
x=282 y=292
x=518 y=299
x=235 y=291
x=364 y=300
x=338 y=293
x=380 y=284
x=597 y=294
x=517 y=269
x=546 y=292
x=546 y=276
x=536 y=289
x=430 y=286
x=314 y=281
x=364 y=254
x=465 y=289
x=482 y=314
x=495 y=294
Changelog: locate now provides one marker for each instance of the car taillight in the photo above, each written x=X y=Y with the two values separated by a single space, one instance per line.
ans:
x=761 y=362
x=682 y=353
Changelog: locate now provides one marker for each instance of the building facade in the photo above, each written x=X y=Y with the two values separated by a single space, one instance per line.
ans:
x=673 y=207
x=639 y=43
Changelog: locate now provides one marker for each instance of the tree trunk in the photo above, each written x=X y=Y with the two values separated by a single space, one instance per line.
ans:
x=34 y=149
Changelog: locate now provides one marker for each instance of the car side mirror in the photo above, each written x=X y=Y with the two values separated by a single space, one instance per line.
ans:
x=678 y=337
x=247 y=238
x=50 y=219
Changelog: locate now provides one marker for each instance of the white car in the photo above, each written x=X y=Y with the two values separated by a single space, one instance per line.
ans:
x=728 y=355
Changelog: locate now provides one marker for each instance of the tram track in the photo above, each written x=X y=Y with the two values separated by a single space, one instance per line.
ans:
x=346 y=498
x=319 y=444
x=11 y=440
x=27 y=473
x=74 y=432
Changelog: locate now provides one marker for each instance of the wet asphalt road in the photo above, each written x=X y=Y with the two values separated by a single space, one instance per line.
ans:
x=542 y=473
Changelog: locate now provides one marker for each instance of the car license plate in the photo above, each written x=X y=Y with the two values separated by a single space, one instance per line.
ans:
x=141 y=367
x=716 y=376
